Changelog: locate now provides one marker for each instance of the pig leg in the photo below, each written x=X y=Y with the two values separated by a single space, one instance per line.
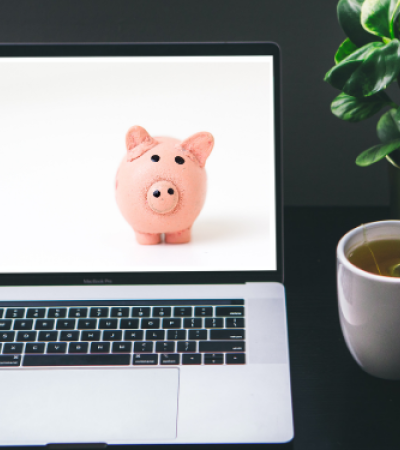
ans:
x=147 y=238
x=181 y=237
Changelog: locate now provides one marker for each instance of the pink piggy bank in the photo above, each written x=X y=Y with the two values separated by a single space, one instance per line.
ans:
x=161 y=184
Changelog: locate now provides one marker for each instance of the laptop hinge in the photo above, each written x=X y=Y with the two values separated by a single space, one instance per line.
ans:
x=76 y=446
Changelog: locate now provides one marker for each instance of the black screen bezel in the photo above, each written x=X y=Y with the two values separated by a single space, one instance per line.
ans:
x=164 y=49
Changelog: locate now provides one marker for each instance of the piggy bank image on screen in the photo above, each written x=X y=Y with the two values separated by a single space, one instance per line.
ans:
x=161 y=184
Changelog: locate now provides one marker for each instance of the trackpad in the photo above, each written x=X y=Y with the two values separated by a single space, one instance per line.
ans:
x=114 y=406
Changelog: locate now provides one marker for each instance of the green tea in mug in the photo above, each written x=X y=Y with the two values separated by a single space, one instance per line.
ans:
x=380 y=257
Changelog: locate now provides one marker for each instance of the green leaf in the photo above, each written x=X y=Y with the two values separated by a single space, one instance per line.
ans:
x=394 y=12
x=375 y=17
x=345 y=49
x=378 y=17
x=376 y=153
x=388 y=127
x=349 y=15
x=354 y=109
x=376 y=72
x=339 y=74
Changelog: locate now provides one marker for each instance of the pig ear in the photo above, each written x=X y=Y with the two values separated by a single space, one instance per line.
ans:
x=138 y=141
x=200 y=145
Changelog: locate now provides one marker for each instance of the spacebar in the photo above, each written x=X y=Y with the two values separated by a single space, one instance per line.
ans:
x=76 y=360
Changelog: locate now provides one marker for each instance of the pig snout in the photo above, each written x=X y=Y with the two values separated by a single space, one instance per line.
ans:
x=162 y=197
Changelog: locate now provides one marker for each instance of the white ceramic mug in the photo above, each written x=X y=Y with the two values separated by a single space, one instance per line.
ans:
x=369 y=305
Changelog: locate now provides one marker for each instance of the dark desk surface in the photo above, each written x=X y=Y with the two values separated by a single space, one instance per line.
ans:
x=336 y=405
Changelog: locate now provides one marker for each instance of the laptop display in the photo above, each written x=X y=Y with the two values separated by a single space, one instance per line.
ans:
x=64 y=123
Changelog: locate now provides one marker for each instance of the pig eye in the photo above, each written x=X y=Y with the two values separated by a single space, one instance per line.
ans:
x=179 y=160
x=155 y=158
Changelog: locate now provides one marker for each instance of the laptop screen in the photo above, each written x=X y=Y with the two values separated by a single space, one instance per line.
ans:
x=80 y=169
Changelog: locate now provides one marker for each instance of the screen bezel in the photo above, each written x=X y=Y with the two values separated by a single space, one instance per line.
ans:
x=164 y=49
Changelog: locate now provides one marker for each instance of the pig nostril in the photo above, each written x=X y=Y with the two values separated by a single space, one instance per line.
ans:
x=156 y=194
x=170 y=191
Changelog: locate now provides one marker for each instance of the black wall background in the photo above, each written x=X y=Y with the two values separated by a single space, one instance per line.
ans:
x=319 y=150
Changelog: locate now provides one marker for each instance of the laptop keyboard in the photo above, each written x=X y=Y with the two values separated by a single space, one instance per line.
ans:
x=62 y=333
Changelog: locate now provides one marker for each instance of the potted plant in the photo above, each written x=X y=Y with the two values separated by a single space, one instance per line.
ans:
x=365 y=64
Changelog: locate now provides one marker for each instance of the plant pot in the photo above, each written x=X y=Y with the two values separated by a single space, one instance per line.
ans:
x=394 y=184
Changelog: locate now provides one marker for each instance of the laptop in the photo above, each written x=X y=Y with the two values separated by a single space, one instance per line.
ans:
x=109 y=337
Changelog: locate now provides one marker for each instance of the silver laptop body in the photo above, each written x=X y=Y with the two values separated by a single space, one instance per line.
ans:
x=104 y=340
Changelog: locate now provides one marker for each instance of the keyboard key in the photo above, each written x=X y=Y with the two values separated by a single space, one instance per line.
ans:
x=65 y=324
x=13 y=348
x=192 y=323
x=44 y=324
x=226 y=334
x=78 y=347
x=69 y=336
x=10 y=360
x=1 y=312
x=187 y=358
x=129 y=324
x=87 y=324
x=234 y=322
x=155 y=335
x=214 y=323
x=34 y=348
x=26 y=336
x=172 y=323
x=183 y=311
x=112 y=335
x=90 y=335
x=221 y=346
x=161 y=311
x=36 y=313
x=150 y=323
x=214 y=358
x=5 y=324
x=99 y=312
x=136 y=335
x=141 y=312
x=48 y=336
x=170 y=359
x=231 y=311
x=121 y=347
x=143 y=347
x=198 y=334
x=119 y=312
x=108 y=324
x=176 y=335
x=77 y=312
x=100 y=347
x=7 y=336
x=76 y=360
x=235 y=358
x=23 y=324
x=15 y=313
x=57 y=313
x=56 y=347
x=165 y=347
x=203 y=311
x=187 y=346
x=146 y=360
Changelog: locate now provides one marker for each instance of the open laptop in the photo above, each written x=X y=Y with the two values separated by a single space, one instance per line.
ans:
x=109 y=341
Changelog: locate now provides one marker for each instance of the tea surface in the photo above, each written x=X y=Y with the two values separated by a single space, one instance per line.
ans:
x=381 y=257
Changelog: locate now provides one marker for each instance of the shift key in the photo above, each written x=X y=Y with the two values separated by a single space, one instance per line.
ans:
x=221 y=346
